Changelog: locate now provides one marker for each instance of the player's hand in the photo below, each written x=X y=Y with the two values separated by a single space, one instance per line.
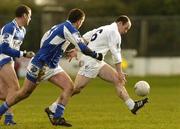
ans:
x=72 y=54
x=28 y=54
x=99 y=56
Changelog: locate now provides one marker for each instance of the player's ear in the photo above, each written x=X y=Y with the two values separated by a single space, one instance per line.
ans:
x=25 y=16
x=78 y=23
x=119 y=23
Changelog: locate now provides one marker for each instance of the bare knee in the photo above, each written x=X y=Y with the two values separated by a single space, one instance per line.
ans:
x=69 y=88
x=117 y=81
x=3 y=94
x=2 y=97
x=77 y=89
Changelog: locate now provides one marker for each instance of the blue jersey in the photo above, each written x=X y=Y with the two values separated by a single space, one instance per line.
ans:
x=53 y=42
x=11 y=38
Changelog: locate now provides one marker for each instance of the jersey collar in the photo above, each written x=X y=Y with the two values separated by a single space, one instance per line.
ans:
x=14 y=21
x=115 y=26
x=68 y=22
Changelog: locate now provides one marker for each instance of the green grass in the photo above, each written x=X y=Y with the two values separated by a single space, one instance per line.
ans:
x=98 y=107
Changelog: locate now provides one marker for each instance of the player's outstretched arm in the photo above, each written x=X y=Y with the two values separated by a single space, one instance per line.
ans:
x=6 y=49
x=87 y=51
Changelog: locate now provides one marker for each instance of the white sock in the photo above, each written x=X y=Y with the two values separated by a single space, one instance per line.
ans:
x=130 y=103
x=53 y=107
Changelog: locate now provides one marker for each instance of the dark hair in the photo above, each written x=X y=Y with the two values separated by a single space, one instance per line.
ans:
x=20 y=10
x=75 y=15
x=123 y=18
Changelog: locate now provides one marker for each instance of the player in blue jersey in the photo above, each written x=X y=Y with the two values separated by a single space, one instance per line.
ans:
x=45 y=65
x=11 y=38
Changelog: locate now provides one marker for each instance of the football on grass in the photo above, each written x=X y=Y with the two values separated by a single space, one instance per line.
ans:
x=142 y=88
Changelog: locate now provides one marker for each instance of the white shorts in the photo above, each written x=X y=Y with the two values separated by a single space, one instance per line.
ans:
x=89 y=66
x=51 y=72
x=35 y=74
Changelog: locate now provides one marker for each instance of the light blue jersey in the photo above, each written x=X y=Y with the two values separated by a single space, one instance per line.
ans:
x=53 y=46
x=11 y=38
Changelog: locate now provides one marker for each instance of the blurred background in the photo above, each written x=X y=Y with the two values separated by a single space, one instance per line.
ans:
x=151 y=47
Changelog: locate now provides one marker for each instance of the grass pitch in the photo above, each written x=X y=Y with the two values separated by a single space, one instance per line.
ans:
x=98 y=107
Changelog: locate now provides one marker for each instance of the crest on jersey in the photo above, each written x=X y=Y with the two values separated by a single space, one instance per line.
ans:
x=6 y=36
x=34 y=69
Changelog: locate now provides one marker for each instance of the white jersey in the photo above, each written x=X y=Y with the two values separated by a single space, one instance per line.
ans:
x=104 y=39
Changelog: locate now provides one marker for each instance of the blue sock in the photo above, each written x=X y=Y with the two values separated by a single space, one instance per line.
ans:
x=8 y=117
x=3 y=108
x=59 y=111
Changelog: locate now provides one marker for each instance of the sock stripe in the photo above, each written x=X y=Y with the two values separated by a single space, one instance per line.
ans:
x=5 y=105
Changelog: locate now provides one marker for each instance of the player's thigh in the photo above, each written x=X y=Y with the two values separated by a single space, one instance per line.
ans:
x=28 y=87
x=8 y=75
x=3 y=89
x=108 y=73
x=3 y=85
x=81 y=81
x=62 y=80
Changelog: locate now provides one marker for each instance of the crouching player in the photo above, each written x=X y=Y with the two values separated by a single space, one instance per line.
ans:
x=44 y=65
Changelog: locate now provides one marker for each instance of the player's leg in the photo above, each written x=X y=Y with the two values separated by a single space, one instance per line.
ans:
x=3 y=90
x=63 y=81
x=89 y=68
x=27 y=88
x=25 y=91
x=80 y=82
x=109 y=74
x=8 y=75
x=9 y=117
x=9 y=85
x=8 y=120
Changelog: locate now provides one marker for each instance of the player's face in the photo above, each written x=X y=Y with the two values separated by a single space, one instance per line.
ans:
x=27 y=18
x=123 y=28
x=80 y=22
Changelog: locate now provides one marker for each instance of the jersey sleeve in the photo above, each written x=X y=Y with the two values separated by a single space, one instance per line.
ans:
x=72 y=36
x=115 y=48
x=6 y=42
x=76 y=39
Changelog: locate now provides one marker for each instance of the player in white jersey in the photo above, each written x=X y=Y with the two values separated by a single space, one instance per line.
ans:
x=104 y=39
x=11 y=38
x=45 y=65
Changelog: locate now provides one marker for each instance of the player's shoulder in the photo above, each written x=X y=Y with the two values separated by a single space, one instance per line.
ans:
x=112 y=27
x=9 y=27
x=108 y=28
x=68 y=25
